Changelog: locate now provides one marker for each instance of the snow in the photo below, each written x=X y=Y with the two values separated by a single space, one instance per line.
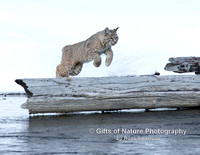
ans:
x=150 y=33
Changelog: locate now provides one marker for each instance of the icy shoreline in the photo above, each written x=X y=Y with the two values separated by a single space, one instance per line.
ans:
x=12 y=94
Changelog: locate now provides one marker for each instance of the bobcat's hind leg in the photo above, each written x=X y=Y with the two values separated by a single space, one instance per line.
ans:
x=63 y=70
x=77 y=69
x=109 y=57
x=60 y=71
x=97 y=59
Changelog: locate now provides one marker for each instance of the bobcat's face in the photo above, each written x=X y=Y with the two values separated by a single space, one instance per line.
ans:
x=111 y=36
x=114 y=39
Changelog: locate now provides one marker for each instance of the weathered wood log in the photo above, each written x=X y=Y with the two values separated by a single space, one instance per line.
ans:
x=110 y=93
x=184 y=65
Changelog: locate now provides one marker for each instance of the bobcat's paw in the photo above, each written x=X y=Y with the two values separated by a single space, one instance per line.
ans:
x=97 y=63
x=107 y=64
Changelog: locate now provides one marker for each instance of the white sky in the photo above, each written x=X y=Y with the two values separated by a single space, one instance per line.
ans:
x=33 y=32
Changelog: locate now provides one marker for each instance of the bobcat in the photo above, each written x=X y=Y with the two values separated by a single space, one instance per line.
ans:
x=73 y=56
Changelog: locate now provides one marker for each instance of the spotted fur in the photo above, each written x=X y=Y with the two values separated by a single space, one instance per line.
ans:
x=74 y=56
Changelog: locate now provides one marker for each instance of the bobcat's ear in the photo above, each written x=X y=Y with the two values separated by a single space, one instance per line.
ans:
x=107 y=31
x=116 y=29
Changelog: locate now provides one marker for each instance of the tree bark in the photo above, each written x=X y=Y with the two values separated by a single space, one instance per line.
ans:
x=184 y=65
x=110 y=93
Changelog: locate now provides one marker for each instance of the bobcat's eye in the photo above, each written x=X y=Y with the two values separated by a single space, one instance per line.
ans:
x=114 y=39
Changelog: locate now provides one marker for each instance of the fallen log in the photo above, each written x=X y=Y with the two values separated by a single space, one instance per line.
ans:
x=110 y=93
x=184 y=65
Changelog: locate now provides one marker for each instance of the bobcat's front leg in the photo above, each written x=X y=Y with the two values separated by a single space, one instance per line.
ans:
x=97 y=59
x=109 y=57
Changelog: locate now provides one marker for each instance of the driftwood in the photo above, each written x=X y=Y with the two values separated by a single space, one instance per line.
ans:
x=184 y=65
x=110 y=93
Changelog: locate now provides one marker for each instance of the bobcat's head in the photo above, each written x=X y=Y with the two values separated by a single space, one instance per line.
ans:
x=110 y=36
